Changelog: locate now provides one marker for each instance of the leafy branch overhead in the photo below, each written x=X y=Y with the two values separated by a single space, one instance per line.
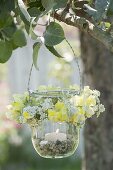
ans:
x=18 y=17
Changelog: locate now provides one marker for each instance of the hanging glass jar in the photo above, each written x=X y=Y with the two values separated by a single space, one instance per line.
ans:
x=55 y=140
x=54 y=136
x=55 y=117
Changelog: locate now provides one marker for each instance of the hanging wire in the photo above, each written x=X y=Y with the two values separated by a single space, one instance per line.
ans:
x=29 y=79
x=77 y=63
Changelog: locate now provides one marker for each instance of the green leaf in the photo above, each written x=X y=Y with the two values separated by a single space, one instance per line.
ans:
x=34 y=12
x=5 y=51
x=9 y=30
x=7 y=5
x=54 y=4
x=36 y=48
x=60 y=4
x=7 y=25
x=23 y=12
x=48 y=4
x=54 y=34
x=5 y=20
x=35 y=4
x=32 y=0
x=19 y=38
x=53 y=51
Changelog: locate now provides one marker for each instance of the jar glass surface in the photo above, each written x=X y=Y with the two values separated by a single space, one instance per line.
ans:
x=55 y=139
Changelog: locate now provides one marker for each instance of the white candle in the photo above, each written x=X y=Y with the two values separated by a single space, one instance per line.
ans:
x=54 y=136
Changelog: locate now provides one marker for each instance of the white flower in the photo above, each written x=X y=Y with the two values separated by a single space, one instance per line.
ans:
x=87 y=91
x=47 y=104
x=96 y=93
x=77 y=100
x=43 y=116
x=71 y=108
x=101 y=108
x=96 y=108
x=39 y=110
x=30 y=109
x=90 y=112
x=9 y=107
x=81 y=119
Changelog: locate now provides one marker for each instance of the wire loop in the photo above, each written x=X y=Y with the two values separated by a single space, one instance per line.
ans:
x=77 y=63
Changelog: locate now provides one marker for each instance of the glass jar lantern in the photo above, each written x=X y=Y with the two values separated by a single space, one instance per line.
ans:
x=54 y=139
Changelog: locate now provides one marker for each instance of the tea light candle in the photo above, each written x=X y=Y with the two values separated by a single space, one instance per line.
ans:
x=54 y=136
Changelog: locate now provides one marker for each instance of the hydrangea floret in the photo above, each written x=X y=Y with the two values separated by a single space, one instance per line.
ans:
x=63 y=106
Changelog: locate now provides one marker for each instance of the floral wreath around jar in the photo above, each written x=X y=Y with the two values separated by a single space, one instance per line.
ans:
x=69 y=108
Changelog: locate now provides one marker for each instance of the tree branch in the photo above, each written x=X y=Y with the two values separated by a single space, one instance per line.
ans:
x=86 y=26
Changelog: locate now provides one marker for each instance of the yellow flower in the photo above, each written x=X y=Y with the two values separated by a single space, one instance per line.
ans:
x=74 y=118
x=17 y=105
x=77 y=118
x=58 y=117
x=59 y=106
x=51 y=115
x=59 y=114
x=91 y=101
x=81 y=111
x=26 y=115
x=51 y=112
x=77 y=100
x=64 y=117
x=83 y=100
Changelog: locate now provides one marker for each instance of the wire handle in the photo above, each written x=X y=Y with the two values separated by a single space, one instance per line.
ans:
x=77 y=63
x=29 y=79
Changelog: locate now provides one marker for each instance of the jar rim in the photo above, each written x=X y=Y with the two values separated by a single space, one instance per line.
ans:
x=54 y=93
